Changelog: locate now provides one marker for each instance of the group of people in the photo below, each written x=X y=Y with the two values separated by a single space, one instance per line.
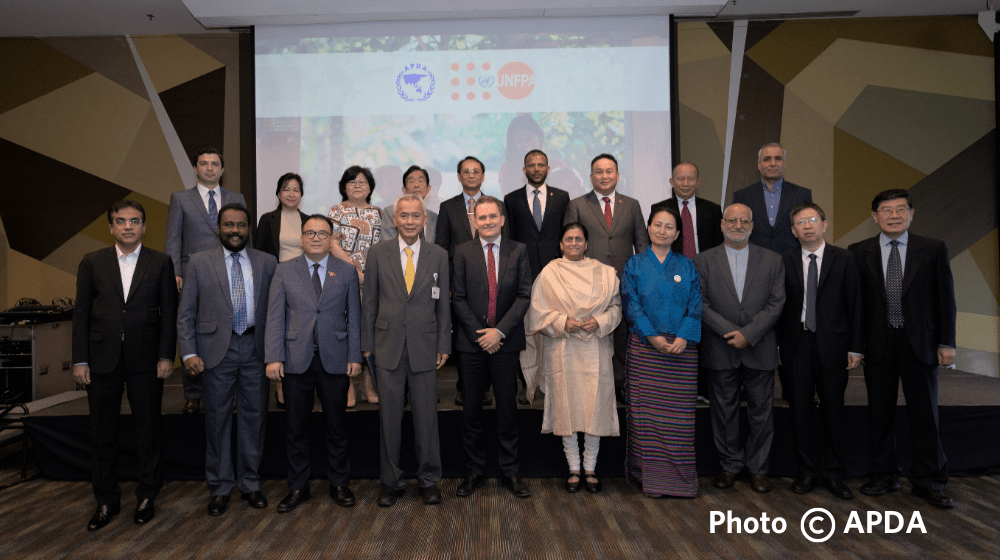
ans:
x=583 y=298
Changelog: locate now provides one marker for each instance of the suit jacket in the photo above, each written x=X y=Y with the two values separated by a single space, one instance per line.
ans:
x=205 y=316
x=294 y=313
x=838 y=307
x=392 y=318
x=269 y=231
x=189 y=227
x=470 y=294
x=104 y=322
x=928 y=299
x=755 y=316
x=627 y=236
x=708 y=216
x=453 y=225
x=777 y=238
x=389 y=228
x=542 y=246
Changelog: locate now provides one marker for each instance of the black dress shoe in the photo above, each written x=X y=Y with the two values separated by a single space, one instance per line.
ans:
x=459 y=401
x=837 y=487
x=469 y=485
x=804 y=484
x=256 y=499
x=724 y=479
x=342 y=496
x=760 y=483
x=192 y=406
x=144 y=512
x=881 y=484
x=292 y=500
x=103 y=516
x=620 y=396
x=574 y=487
x=516 y=486
x=431 y=495
x=935 y=498
x=388 y=496
x=592 y=487
x=218 y=505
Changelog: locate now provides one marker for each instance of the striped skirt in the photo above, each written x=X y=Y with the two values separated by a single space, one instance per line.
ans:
x=660 y=391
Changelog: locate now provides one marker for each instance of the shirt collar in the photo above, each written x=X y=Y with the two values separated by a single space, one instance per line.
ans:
x=737 y=251
x=322 y=263
x=541 y=189
x=415 y=246
x=466 y=197
x=777 y=185
x=681 y=201
x=242 y=252
x=203 y=190
x=817 y=252
x=495 y=242
x=611 y=195
x=119 y=253
x=884 y=239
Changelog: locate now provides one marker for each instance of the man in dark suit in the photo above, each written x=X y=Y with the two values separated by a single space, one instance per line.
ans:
x=909 y=318
x=124 y=338
x=407 y=326
x=220 y=332
x=771 y=199
x=491 y=291
x=819 y=338
x=313 y=345
x=192 y=223
x=617 y=231
x=742 y=292
x=697 y=215
x=535 y=213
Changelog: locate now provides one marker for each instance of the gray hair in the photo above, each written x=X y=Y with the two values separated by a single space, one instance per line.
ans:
x=395 y=206
x=760 y=152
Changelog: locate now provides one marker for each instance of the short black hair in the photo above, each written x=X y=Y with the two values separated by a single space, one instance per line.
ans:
x=207 y=150
x=326 y=219
x=234 y=206
x=533 y=152
x=125 y=203
x=286 y=178
x=414 y=169
x=575 y=225
x=458 y=168
x=804 y=205
x=603 y=156
x=350 y=174
x=891 y=194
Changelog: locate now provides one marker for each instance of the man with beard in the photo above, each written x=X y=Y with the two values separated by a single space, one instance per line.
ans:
x=535 y=213
x=220 y=328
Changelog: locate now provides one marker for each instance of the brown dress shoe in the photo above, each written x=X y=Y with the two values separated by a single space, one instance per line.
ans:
x=192 y=406
x=724 y=479
x=760 y=483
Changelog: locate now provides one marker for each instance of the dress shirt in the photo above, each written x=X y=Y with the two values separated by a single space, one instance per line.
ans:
x=203 y=192
x=738 y=266
x=126 y=266
x=466 y=197
x=772 y=199
x=495 y=255
x=402 y=253
x=694 y=218
x=600 y=200
x=542 y=191
x=884 y=243
x=247 y=281
x=321 y=271
x=805 y=274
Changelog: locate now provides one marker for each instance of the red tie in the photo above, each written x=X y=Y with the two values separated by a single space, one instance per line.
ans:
x=607 y=212
x=687 y=232
x=491 y=279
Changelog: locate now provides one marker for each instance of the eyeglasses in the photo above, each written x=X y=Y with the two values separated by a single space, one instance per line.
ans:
x=734 y=221
x=358 y=183
x=315 y=234
x=900 y=210
x=810 y=220
x=471 y=172
x=122 y=221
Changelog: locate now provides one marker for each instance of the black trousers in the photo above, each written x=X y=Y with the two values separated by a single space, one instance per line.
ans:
x=920 y=387
x=822 y=455
x=145 y=397
x=478 y=369
x=332 y=390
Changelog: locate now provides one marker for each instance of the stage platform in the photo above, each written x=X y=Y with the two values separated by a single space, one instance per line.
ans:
x=969 y=408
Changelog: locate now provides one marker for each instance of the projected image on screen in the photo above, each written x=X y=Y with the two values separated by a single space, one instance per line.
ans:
x=372 y=95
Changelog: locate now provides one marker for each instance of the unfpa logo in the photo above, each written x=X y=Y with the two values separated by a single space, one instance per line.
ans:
x=515 y=80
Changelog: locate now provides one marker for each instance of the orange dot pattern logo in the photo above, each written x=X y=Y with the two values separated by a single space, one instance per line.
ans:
x=514 y=80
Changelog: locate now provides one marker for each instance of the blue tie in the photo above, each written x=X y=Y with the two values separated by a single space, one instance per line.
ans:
x=239 y=296
x=536 y=211
x=213 y=209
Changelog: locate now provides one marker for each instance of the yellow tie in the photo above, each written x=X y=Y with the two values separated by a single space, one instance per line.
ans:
x=410 y=270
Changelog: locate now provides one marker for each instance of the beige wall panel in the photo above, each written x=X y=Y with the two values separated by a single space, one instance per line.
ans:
x=67 y=257
x=171 y=61
x=700 y=145
x=89 y=124
x=149 y=167
x=984 y=252
x=29 y=68
x=862 y=231
x=704 y=87
x=695 y=42
x=831 y=83
x=959 y=34
x=37 y=280
x=808 y=138
x=976 y=332
x=972 y=294
x=156 y=223
x=975 y=361
x=792 y=47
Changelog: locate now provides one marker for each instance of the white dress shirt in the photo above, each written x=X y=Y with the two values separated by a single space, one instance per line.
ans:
x=402 y=254
x=542 y=192
x=805 y=274
x=126 y=265
x=203 y=191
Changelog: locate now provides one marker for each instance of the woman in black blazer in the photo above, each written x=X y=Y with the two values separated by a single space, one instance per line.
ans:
x=280 y=231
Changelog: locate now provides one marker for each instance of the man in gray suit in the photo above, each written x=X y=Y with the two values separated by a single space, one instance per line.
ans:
x=192 y=226
x=415 y=181
x=407 y=326
x=743 y=292
x=220 y=330
x=617 y=231
x=313 y=344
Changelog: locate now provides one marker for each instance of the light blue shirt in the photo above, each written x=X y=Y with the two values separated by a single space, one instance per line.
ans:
x=738 y=266
x=247 y=281
x=467 y=198
x=772 y=199
x=322 y=269
x=884 y=243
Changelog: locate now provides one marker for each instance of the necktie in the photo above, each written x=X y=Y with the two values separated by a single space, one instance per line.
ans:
x=812 y=278
x=894 y=287
x=536 y=211
x=317 y=285
x=239 y=296
x=410 y=271
x=491 y=280
x=472 y=216
x=607 y=212
x=687 y=232
x=213 y=209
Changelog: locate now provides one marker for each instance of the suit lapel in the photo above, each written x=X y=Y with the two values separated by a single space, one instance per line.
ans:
x=752 y=262
x=617 y=216
x=422 y=267
x=257 y=269
x=914 y=254
x=759 y=208
x=304 y=274
x=873 y=258
x=395 y=264
x=595 y=206
x=784 y=203
x=502 y=267
x=111 y=262
x=275 y=221
x=722 y=261
x=219 y=266
x=829 y=261
x=199 y=203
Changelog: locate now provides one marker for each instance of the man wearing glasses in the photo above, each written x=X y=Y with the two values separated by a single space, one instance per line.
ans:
x=124 y=339
x=416 y=181
x=313 y=345
x=742 y=293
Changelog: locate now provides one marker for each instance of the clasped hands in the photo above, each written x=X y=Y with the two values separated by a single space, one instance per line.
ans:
x=588 y=325
x=276 y=370
x=489 y=340
x=663 y=347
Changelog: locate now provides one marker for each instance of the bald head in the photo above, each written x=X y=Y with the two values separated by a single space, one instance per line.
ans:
x=737 y=223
